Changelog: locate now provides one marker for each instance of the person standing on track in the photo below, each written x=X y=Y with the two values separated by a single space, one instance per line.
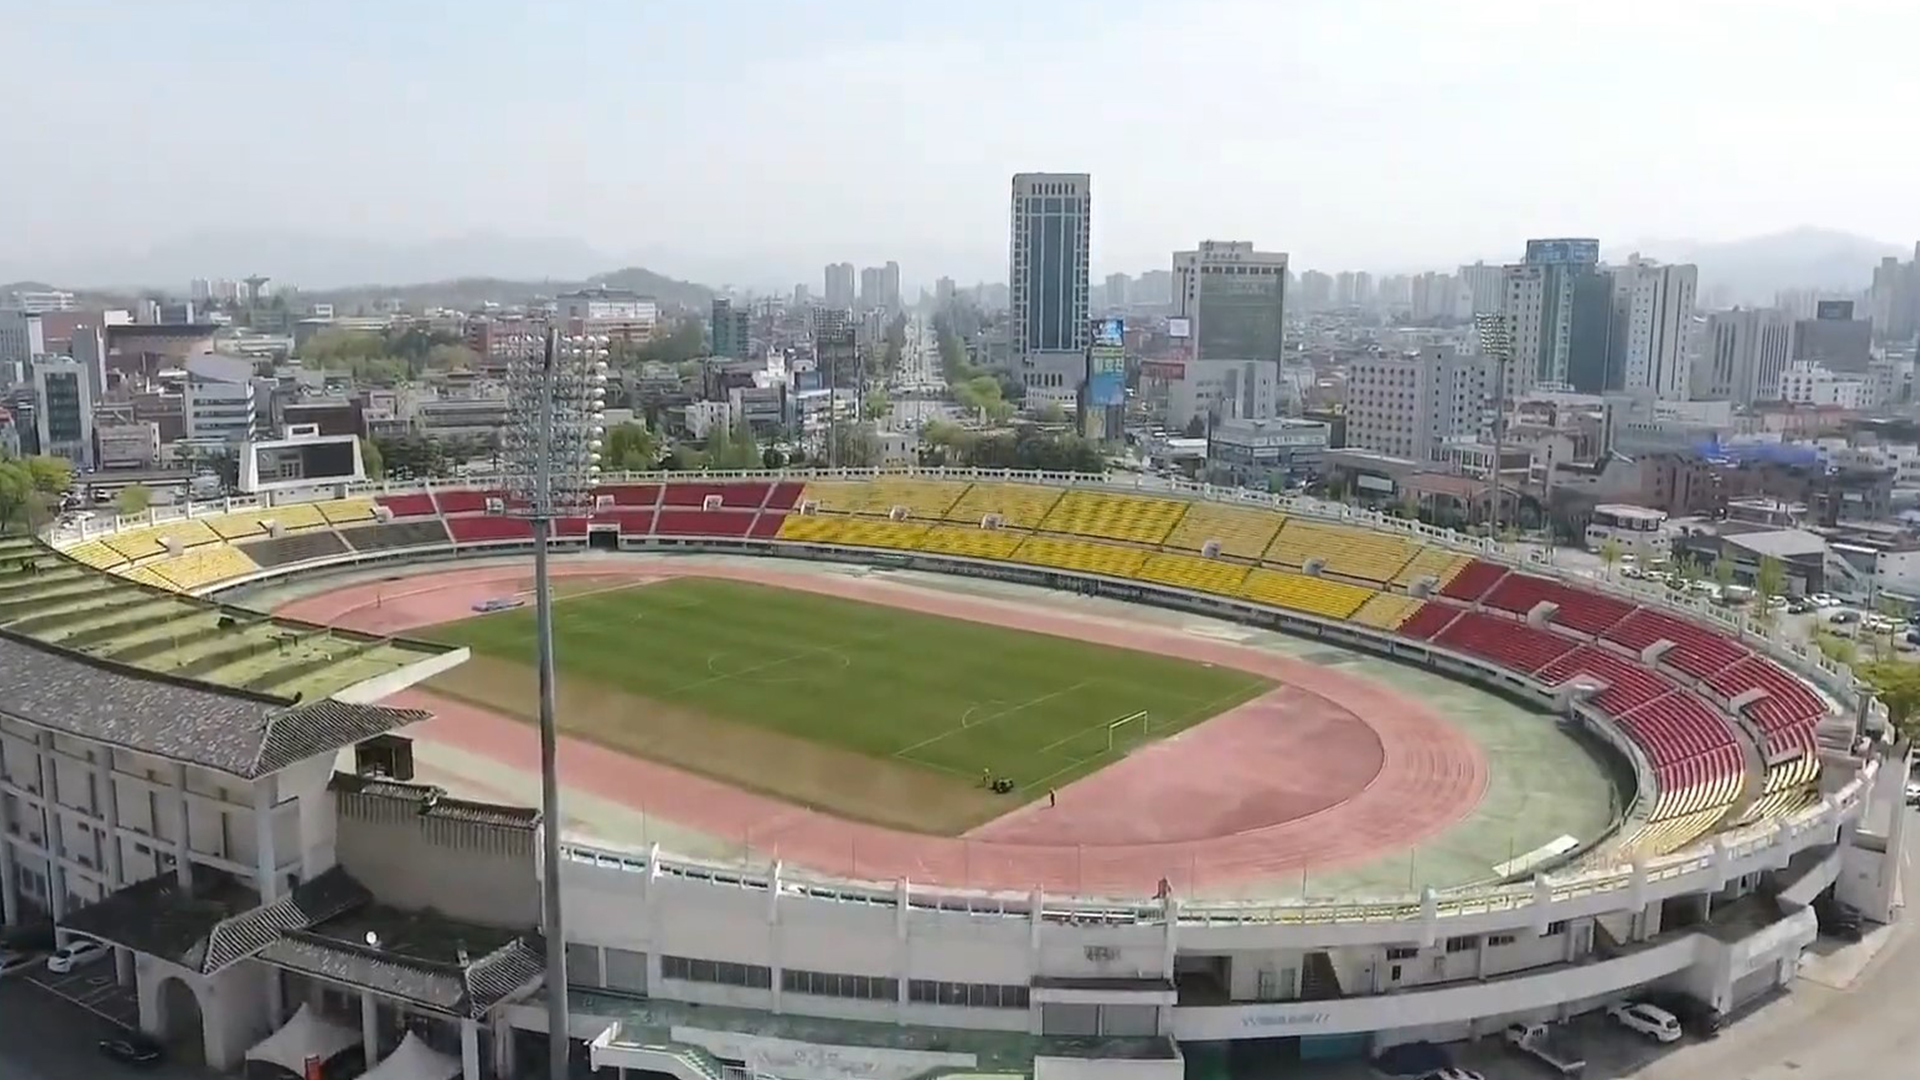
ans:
x=1053 y=798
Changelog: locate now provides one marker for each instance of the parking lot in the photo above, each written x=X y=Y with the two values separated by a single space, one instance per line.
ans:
x=92 y=987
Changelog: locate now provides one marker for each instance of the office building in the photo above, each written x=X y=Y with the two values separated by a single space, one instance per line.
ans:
x=63 y=413
x=1050 y=222
x=943 y=292
x=9 y=434
x=731 y=329
x=839 y=285
x=1652 y=314
x=1805 y=382
x=37 y=301
x=222 y=402
x=1234 y=298
x=1478 y=290
x=620 y=314
x=1894 y=299
x=1216 y=390
x=1412 y=404
x=1152 y=287
x=128 y=446
x=1316 y=291
x=1118 y=287
x=1833 y=338
x=1742 y=353
x=1557 y=327
x=1431 y=296
x=22 y=336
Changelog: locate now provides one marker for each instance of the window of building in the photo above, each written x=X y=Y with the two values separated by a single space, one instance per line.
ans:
x=724 y=973
x=1402 y=952
x=972 y=995
x=1467 y=943
x=830 y=984
x=1494 y=941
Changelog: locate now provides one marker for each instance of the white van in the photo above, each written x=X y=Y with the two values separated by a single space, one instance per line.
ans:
x=1650 y=1020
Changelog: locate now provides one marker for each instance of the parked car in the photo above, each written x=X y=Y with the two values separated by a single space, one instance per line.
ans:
x=133 y=1049
x=1824 y=600
x=1837 y=920
x=1695 y=1016
x=1844 y=617
x=1652 y=1021
x=1799 y=607
x=75 y=954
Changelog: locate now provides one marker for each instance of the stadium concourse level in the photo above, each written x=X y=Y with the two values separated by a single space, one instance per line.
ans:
x=1728 y=733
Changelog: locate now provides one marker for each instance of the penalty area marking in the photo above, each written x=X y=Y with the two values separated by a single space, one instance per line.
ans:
x=907 y=751
x=714 y=667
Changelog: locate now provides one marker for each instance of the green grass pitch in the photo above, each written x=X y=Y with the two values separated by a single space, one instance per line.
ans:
x=811 y=696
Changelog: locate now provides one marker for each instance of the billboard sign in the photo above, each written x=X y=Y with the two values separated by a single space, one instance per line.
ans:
x=1833 y=310
x=1111 y=332
x=1107 y=364
x=1179 y=326
x=1165 y=370
x=1563 y=250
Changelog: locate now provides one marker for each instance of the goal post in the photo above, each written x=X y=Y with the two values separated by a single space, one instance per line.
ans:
x=1128 y=730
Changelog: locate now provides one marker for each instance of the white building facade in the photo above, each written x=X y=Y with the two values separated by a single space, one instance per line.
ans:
x=1807 y=383
x=1741 y=355
x=1653 y=312
x=1410 y=405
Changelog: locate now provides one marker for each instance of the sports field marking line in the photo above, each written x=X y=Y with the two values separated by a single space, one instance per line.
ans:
x=1008 y=711
x=1077 y=762
x=751 y=670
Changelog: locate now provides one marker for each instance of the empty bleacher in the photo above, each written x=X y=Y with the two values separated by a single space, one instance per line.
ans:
x=1437 y=563
x=1020 y=506
x=346 y=511
x=679 y=521
x=1083 y=555
x=294 y=517
x=1508 y=642
x=1386 y=611
x=739 y=495
x=784 y=495
x=971 y=542
x=406 y=506
x=857 y=531
x=1193 y=572
x=634 y=522
x=1578 y=609
x=238 y=525
x=1706 y=781
x=396 y=535
x=630 y=494
x=1788 y=702
x=1136 y=519
x=485 y=529
x=930 y=499
x=202 y=566
x=1341 y=549
x=453 y=501
x=1629 y=685
x=297 y=548
x=97 y=554
x=1472 y=581
x=147 y=542
x=1675 y=726
x=1698 y=651
x=1243 y=532
x=1428 y=620
x=1304 y=592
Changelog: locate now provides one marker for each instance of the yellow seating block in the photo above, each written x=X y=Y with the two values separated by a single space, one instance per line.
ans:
x=970 y=542
x=860 y=532
x=1242 y=531
x=294 y=517
x=147 y=575
x=1303 y=592
x=1139 y=519
x=922 y=498
x=1669 y=836
x=347 y=511
x=144 y=543
x=1437 y=563
x=1020 y=506
x=1342 y=549
x=204 y=566
x=240 y=525
x=96 y=554
x=1082 y=555
x=1193 y=572
x=1386 y=611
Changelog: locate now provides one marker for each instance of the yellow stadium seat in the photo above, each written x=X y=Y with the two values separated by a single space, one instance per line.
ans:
x=1717 y=794
x=294 y=517
x=1242 y=531
x=347 y=511
x=1666 y=837
x=146 y=542
x=1020 y=506
x=922 y=498
x=97 y=554
x=1437 y=563
x=1082 y=555
x=1138 y=519
x=203 y=566
x=146 y=575
x=973 y=543
x=859 y=532
x=1386 y=611
x=1342 y=549
x=1192 y=572
x=1303 y=592
x=239 y=525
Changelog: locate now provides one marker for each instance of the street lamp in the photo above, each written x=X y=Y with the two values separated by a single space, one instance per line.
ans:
x=557 y=388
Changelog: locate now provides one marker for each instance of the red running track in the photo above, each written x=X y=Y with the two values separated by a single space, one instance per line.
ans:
x=1328 y=769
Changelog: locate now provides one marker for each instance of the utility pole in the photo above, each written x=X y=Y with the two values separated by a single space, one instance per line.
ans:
x=1491 y=328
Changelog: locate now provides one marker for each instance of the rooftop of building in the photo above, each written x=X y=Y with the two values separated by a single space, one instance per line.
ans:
x=181 y=677
x=176 y=330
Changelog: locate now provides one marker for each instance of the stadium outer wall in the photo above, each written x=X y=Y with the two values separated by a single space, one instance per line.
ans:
x=698 y=934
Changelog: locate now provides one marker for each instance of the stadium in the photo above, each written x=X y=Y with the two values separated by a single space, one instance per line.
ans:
x=896 y=774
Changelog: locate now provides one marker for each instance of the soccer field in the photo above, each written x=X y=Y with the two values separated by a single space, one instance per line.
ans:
x=875 y=713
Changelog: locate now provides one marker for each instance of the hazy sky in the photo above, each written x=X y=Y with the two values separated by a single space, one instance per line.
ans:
x=753 y=140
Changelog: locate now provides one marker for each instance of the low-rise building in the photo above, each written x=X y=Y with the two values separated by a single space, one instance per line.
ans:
x=129 y=445
x=1265 y=453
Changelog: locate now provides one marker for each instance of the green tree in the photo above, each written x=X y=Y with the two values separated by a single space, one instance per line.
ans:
x=1834 y=647
x=328 y=345
x=686 y=340
x=1897 y=685
x=1610 y=554
x=1196 y=427
x=728 y=448
x=51 y=475
x=1053 y=413
x=855 y=446
x=16 y=494
x=371 y=461
x=452 y=357
x=134 y=499
x=1723 y=571
x=875 y=405
x=1770 y=578
x=630 y=447
x=773 y=458
x=1410 y=510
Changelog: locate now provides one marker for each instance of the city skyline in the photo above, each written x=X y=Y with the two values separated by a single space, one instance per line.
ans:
x=1344 y=79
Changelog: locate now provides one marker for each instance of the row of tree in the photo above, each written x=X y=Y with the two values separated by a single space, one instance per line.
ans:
x=30 y=490
x=388 y=359
x=1026 y=446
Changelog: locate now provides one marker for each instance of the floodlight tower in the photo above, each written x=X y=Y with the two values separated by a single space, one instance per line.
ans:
x=558 y=386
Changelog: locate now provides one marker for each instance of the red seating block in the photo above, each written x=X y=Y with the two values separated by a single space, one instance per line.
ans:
x=1508 y=642
x=1473 y=580
x=481 y=529
x=741 y=495
x=460 y=501
x=1629 y=685
x=1697 y=650
x=784 y=495
x=1429 y=620
x=767 y=525
x=419 y=504
x=1579 y=609
x=726 y=523
x=631 y=494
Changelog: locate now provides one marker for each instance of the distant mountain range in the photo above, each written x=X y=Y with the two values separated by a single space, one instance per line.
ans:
x=468 y=293
x=1751 y=271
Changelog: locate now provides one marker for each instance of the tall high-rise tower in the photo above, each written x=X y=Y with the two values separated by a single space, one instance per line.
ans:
x=1049 y=239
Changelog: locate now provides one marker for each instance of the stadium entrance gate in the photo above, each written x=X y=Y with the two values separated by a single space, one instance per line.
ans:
x=603 y=537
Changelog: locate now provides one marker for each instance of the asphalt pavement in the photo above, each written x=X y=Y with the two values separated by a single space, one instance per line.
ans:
x=43 y=1037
